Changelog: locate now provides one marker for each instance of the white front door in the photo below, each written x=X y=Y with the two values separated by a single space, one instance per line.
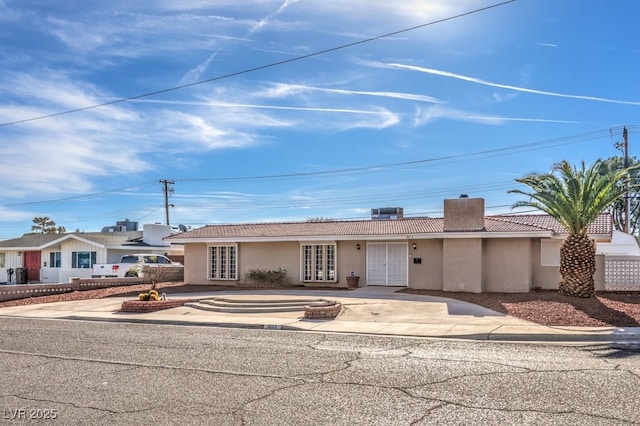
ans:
x=387 y=264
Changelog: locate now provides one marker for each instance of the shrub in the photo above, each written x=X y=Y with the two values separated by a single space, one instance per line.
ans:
x=261 y=276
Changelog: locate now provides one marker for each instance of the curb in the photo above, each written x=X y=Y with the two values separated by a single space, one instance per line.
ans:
x=579 y=338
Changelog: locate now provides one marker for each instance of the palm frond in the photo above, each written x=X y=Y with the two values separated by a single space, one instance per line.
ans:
x=575 y=197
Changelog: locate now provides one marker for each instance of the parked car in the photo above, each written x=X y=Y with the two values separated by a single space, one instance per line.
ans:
x=131 y=265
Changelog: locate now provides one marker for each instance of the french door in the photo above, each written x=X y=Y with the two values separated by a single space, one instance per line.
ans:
x=387 y=264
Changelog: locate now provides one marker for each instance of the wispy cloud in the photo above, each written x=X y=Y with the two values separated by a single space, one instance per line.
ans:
x=504 y=86
x=379 y=117
x=8 y=14
x=282 y=90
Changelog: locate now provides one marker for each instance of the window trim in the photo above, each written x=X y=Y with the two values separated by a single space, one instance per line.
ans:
x=311 y=264
x=74 y=259
x=226 y=268
x=53 y=258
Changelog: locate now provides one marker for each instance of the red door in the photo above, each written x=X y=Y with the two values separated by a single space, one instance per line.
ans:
x=32 y=263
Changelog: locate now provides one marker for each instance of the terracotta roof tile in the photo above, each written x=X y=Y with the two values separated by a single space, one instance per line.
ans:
x=602 y=225
x=365 y=228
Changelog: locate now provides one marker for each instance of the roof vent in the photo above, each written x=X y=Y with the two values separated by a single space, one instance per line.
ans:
x=464 y=196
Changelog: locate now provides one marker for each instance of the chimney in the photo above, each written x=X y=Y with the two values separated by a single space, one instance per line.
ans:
x=464 y=214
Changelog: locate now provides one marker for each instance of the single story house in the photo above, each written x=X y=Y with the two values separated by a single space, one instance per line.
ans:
x=462 y=251
x=54 y=258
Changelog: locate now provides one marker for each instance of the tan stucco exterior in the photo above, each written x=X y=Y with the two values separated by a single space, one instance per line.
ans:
x=428 y=274
x=462 y=265
x=464 y=254
x=507 y=265
x=270 y=256
x=464 y=214
x=350 y=259
x=195 y=263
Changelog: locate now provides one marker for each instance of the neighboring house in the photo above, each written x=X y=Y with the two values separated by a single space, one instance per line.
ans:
x=54 y=258
x=621 y=245
x=463 y=251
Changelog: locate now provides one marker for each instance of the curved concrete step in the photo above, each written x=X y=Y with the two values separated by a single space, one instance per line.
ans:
x=261 y=304
x=256 y=306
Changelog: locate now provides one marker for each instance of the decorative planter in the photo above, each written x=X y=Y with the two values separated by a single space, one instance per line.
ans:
x=141 y=306
x=352 y=281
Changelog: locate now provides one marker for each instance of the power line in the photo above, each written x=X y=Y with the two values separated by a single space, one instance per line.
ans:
x=79 y=197
x=384 y=167
x=259 y=68
x=571 y=139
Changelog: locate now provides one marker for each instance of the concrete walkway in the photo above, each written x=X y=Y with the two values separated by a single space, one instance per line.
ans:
x=367 y=310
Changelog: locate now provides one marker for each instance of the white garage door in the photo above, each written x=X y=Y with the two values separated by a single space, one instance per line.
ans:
x=387 y=264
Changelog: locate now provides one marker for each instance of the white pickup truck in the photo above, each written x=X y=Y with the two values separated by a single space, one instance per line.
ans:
x=131 y=265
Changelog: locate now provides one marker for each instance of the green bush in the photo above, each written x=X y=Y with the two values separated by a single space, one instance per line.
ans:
x=261 y=276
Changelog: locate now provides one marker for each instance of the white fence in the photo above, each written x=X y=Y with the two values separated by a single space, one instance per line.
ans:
x=622 y=273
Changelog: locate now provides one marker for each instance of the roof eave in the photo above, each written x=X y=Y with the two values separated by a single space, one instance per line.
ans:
x=387 y=237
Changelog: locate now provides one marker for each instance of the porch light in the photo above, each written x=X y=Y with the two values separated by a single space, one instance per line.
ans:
x=358 y=246
x=414 y=246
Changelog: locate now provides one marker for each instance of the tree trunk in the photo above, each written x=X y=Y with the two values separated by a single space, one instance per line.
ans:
x=577 y=266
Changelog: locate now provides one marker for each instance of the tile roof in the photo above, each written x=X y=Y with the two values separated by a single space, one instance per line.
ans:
x=602 y=225
x=380 y=228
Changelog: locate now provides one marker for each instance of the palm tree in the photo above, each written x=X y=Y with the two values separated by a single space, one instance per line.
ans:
x=575 y=198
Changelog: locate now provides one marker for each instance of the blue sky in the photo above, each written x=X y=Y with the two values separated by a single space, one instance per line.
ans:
x=466 y=105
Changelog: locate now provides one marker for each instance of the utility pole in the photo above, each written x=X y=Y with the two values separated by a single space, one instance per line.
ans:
x=167 y=189
x=625 y=146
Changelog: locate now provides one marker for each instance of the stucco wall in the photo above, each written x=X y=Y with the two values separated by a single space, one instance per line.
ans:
x=270 y=256
x=472 y=265
x=548 y=277
x=265 y=255
x=462 y=265
x=507 y=265
x=464 y=214
x=195 y=264
x=428 y=273
x=350 y=259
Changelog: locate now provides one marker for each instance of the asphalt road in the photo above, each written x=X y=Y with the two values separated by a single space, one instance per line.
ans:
x=74 y=372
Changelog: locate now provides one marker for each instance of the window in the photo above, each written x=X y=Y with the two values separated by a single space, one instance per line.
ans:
x=55 y=259
x=83 y=259
x=550 y=252
x=223 y=263
x=319 y=262
x=2 y=260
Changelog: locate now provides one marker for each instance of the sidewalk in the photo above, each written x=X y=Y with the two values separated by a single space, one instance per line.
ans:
x=367 y=310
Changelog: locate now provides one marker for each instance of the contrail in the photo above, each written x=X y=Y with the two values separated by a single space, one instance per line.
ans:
x=286 y=4
x=506 y=86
